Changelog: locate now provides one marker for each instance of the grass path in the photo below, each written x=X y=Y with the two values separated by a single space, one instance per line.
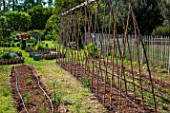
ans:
x=67 y=90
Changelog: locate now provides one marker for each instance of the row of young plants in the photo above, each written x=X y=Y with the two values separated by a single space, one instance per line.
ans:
x=162 y=101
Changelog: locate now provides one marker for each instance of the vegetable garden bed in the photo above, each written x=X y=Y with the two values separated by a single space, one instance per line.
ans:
x=12 y=61
x=29 y=92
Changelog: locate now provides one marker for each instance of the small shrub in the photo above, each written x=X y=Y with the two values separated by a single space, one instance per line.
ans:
x=161 y=30
x=32 y=40
x=164 y=70
x=40 y=47
x=5 y=56
x=93 y=51
x=18 y=44
x=13 y=45
x=46 y=45
x=48 y=37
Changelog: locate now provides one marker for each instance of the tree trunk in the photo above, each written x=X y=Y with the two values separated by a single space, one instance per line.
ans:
x=4 y=6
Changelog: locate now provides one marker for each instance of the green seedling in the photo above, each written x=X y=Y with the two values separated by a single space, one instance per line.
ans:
x=57 y=97
x=27 y=97
x=28 y=80
x=86 y=82
x=37 y=91
x=54 y=83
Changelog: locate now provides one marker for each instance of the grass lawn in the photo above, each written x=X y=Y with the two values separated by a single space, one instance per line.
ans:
x=70 y=93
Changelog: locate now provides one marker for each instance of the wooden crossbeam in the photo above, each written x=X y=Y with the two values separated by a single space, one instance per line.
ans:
x=78 y=6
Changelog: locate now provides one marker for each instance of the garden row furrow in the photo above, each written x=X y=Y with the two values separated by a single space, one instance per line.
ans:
x=29 y=92
x=113 y=102
x=161 y=88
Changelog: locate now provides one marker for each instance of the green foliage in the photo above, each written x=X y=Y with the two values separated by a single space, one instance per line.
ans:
x=48 y=37
x=161 y=30
x=8 y=55
x=164 y=6
x=27 y=97
x=164 y=70
x=57 y=97
x=32 y=40
x=40 y=47
x=13 y=33
x=37 y=91
x=36 y=33
x=39 y=16
x=28 y=80
x=5 y=56
x=86 y=82
x=65 y=4
x=52 y=26
x=18 y=20
x=72 y=45
x=52 y=23
x=148 y=15
x=93 y=51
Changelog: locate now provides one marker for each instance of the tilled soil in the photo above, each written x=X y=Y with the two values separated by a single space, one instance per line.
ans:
x=34 y=98
x=119 y=103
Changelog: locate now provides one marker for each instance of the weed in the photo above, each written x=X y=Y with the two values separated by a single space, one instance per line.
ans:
x=86 y=82
x=164 y=107
x=163 y=70
x=28 y=80
x=54 y=83
x=27 y=97
x=6 y=92
x=56 y=97
x=37 y=91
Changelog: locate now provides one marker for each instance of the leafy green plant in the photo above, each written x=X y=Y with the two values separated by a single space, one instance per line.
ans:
x=56 y=97
x=28 y=80
x=161 y=30
x=54 y=83
x=5 y=56
x=72 y=45
x=27 y=97
x=93 y=51
x=86 y=82
x=163 y=70
x=32 y=40
x=37 y=91
x=48 y=37
x=39 y=47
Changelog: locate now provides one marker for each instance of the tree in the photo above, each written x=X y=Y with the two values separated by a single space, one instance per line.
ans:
x=39 y=16
x=18 y=20
x=52 y=25
x=147 y=14
x=60 y=5
x=2 y=24
x=164 y=6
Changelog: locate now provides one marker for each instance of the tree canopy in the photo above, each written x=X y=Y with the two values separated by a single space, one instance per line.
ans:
x=18 y=20
x=45 y=14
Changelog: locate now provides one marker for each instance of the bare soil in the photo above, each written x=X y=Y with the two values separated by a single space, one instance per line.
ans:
x=119 y=103
x=34 y=98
